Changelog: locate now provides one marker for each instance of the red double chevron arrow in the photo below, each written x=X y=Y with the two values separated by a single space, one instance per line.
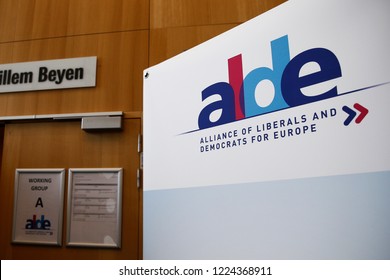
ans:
x=351 y=113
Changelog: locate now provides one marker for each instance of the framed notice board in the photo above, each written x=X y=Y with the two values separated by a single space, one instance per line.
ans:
x=94 y=207
x=38 y=206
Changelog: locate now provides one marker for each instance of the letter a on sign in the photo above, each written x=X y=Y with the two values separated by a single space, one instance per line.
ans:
x=39 y=203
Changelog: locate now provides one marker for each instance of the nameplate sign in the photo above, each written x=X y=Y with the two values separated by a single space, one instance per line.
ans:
x=48 y=74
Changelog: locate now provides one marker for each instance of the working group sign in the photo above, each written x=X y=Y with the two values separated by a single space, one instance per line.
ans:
x=271 y=140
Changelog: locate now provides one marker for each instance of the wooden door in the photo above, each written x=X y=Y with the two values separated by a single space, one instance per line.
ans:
x=62 y=144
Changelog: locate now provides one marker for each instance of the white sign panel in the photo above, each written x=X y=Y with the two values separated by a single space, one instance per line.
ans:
x=292 y=99
x=94 y=207
x=39 y=196
x=48 y=74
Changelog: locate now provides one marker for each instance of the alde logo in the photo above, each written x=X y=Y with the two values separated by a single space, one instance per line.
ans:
x=41 y=224
x=237 y=98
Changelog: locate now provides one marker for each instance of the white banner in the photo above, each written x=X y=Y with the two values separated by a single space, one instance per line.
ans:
x=330 y=57
x=275 y=131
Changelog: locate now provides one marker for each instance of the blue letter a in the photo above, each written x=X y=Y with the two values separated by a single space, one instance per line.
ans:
x=226 y=105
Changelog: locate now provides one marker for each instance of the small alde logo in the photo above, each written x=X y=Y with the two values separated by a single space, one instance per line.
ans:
x=39 y=224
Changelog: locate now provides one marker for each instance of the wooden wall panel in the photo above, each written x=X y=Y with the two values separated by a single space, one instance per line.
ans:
x=122 y=56
x=1 y=145
x=65 y=145
x=170 y=13
x=168 y=42
x=26 y=19
x=178 y=25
